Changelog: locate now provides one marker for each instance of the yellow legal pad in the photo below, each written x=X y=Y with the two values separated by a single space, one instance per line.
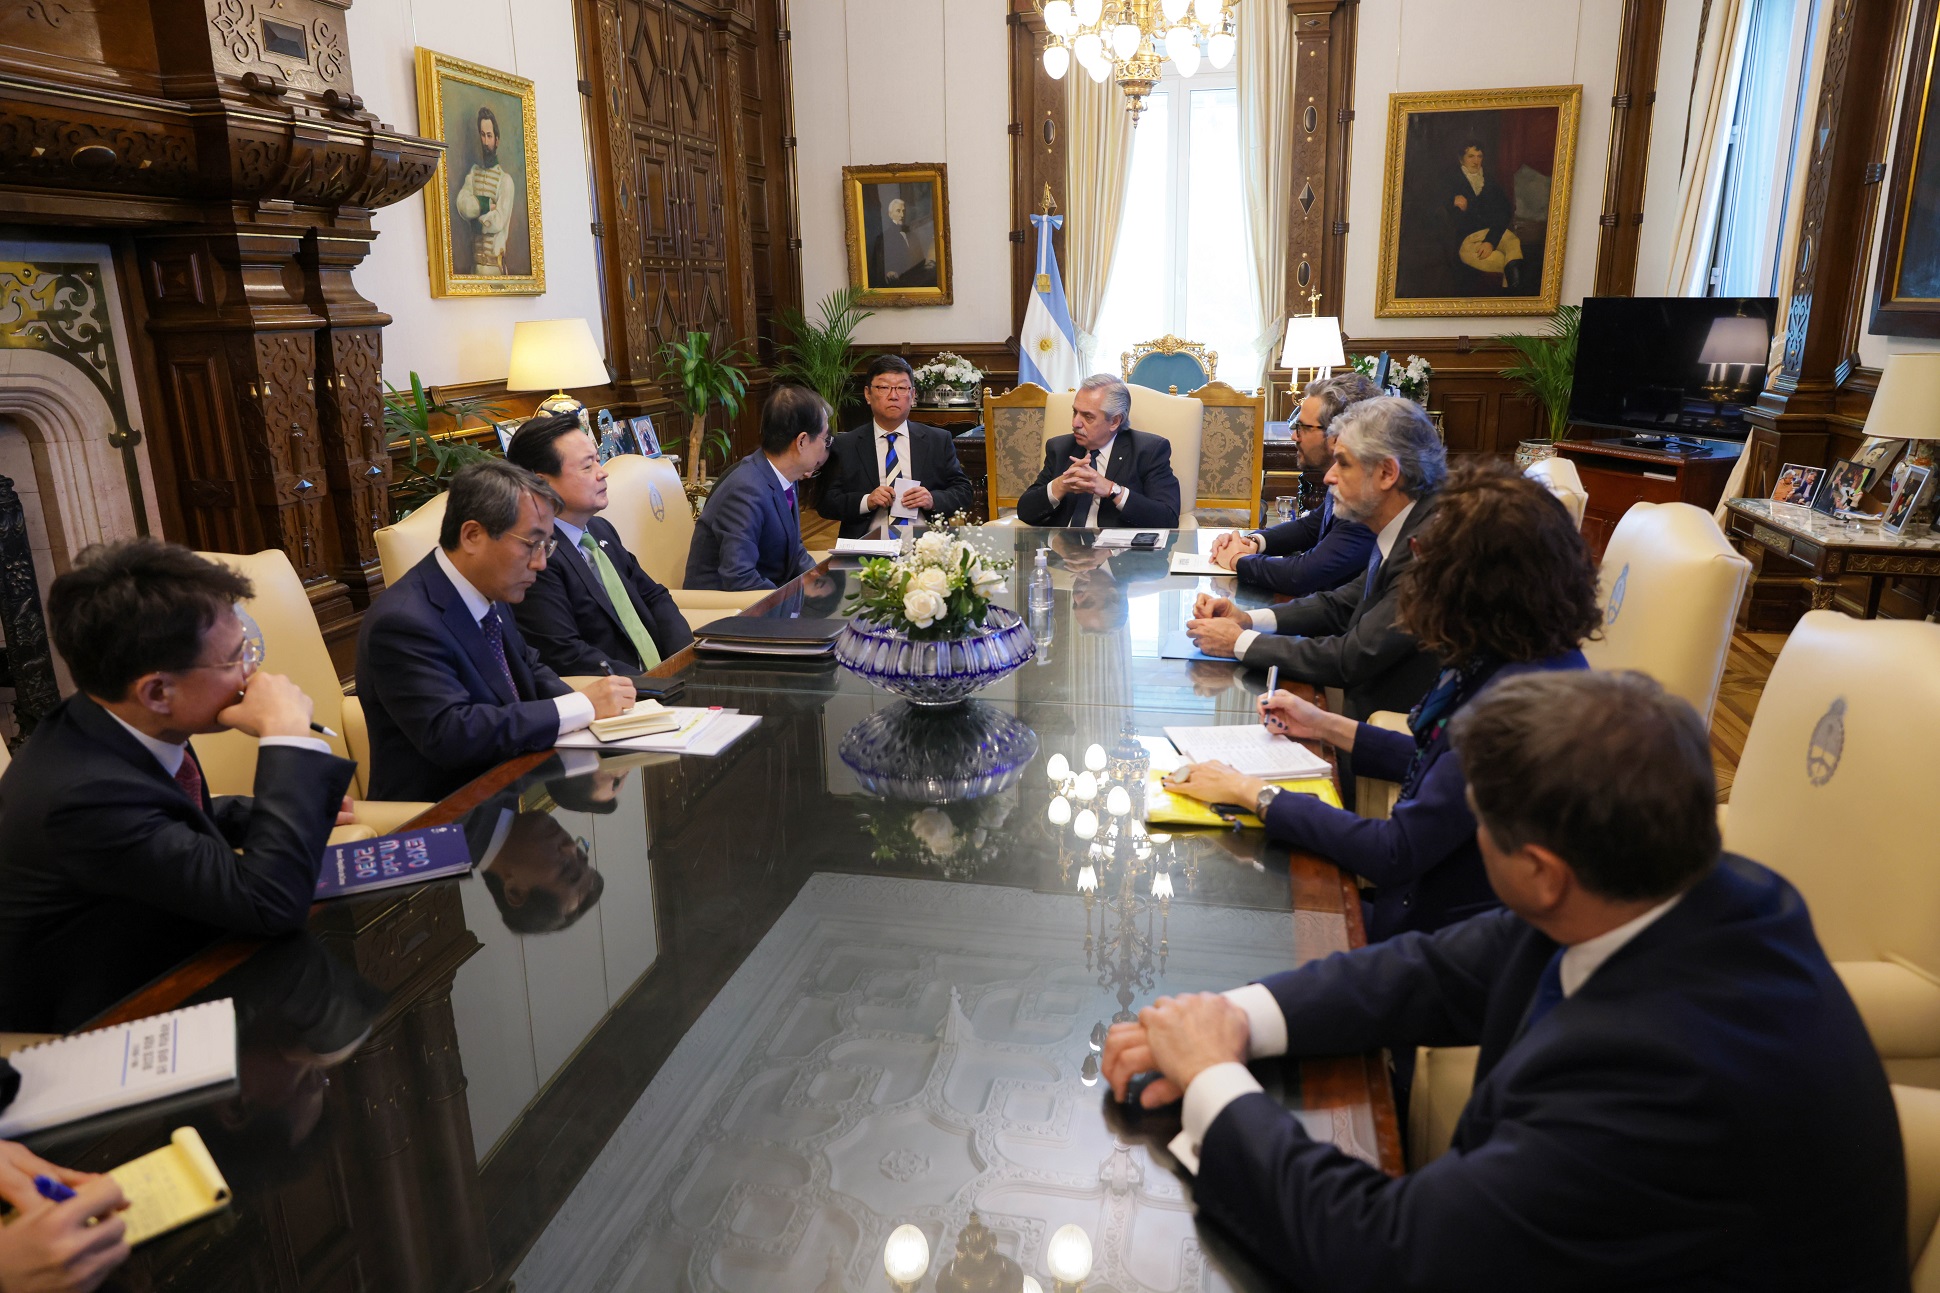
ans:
x=1163 y=808
x=171 y=1187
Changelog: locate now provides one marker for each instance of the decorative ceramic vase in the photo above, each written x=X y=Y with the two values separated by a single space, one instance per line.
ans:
x=1529 y=452
x=941 y=672
x=951 y=397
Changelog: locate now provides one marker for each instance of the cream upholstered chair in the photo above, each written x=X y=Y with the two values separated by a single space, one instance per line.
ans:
x=294 y=646
x=1559 y=476
x=1919 y=1109
x=1670 y=586
x=1829 y=795
x=646 y=502
x=405 y=543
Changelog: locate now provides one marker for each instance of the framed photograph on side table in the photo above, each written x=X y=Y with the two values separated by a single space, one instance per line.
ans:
x=1915 y=491
x=1844 y=487
x=645 y=439
x=1797 y=484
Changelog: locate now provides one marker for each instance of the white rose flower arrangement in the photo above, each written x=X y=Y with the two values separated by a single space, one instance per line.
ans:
x=939 y=587
x=948 y=369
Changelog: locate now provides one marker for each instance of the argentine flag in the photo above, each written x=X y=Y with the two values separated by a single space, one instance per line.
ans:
x=1049 y=344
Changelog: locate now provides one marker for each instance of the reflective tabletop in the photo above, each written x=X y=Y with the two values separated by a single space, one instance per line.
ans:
x=727 y=1023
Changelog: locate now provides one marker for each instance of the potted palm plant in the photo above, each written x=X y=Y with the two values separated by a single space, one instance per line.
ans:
x=1544 y=368
x=702 y=378
x=429 y=460
x=818 y=354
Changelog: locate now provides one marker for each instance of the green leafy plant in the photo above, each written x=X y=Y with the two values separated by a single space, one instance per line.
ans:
x=430 y=460
x=1547 y=364
x=818 y=356
x=703 y=378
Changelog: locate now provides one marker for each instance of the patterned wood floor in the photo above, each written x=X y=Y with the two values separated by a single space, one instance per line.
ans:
x=1745 y=671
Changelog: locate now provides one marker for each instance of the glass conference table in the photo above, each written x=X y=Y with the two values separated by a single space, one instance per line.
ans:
x=761 y=1016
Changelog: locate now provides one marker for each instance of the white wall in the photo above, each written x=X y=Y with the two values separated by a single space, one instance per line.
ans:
x=468 y=339
x=1407 y=46
x=881 y=81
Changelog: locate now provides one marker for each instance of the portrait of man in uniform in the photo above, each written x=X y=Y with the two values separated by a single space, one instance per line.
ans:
x=483 y=206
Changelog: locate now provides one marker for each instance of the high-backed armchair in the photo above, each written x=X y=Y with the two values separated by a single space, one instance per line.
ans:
x=1830 y=793
x=405 y=543
x=1232 y=444
x=1559 y=476
x=1919 y=1110
x=647 y=503
x=294 y=646
x=1171 y=364
x=1670 y=586
x=1019 y=423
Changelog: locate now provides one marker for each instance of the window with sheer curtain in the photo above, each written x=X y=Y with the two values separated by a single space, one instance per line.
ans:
x=1761 y=143
x=1181 y=265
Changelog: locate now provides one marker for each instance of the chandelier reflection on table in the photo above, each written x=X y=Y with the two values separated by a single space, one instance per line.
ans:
x=1128 y=39
x=1125 y=874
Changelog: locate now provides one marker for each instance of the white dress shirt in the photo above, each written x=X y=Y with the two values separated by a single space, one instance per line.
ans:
x=901 y=432
x=171 y=756
x=1220 y=1085
x=1263 y=621
x=575 y=710
x=573 y=535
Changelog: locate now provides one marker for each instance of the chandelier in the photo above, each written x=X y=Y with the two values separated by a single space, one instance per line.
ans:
x=1128 y=39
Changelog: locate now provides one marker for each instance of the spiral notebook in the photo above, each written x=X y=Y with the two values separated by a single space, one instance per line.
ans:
x=128 y=1064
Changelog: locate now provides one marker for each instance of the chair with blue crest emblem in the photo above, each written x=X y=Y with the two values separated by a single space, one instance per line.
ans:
x=1171 y=364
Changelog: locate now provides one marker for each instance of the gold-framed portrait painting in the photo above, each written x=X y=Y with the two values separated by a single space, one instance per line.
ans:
x=1476 y=211
x=481 y=208
x=898 y=223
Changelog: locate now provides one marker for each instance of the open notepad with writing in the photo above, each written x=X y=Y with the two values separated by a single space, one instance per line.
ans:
x=113 y=1068
x=171 y=1187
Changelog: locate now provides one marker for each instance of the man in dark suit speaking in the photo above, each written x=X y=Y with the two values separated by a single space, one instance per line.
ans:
x=750 y=533
x=1104 y=474
x=1674 y=1090
x=450 y=688
x=592 y=610
x=865 y=464
x=114 y=860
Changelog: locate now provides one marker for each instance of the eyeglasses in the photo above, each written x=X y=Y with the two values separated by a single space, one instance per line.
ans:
x=893 y=390
x=250 y=657
x=1310 y=426
x=542 y=547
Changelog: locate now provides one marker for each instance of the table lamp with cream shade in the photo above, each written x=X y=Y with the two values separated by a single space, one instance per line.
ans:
x=1907 y=407
x=553 y=354
x=1314 y=343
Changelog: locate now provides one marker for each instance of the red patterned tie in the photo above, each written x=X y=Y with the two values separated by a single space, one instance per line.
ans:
x=189 y=777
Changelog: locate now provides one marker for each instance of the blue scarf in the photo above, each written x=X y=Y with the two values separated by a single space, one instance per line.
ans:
x=1451 y=691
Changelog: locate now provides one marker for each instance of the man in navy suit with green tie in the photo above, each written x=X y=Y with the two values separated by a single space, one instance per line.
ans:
x=592 y=610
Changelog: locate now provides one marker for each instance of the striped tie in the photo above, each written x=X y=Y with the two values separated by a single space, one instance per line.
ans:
x=891 y=465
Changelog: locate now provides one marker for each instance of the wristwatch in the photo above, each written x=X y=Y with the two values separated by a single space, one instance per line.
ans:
x=1119 y=494
x=1267 y=795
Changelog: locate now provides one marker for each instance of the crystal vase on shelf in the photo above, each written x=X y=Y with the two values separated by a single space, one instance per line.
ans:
x=939 y=672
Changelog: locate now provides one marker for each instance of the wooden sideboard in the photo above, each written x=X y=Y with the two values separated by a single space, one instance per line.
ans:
x=1617 y=475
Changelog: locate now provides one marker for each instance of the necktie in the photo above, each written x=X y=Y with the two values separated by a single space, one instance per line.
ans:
x=1088 y=515
x=789 y=494
x=891 y=465
x=189 y=776
x=495 y=643
x=643 y=647
x=1373 y=567
x=1549 y=992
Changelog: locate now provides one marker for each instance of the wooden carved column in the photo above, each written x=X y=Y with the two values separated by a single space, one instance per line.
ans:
x=1792 y=420
x=350 y=409
x=1037 y=154
x=1620 y=224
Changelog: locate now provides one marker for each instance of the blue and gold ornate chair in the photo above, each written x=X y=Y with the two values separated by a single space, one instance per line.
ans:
x=1169 y=364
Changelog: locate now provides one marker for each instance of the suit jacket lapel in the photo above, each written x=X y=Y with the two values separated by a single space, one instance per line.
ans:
x=790 y=525
x=917 y=447
x=1124 y=453
x=578 y=568
x=101 y=725
x=466 y=633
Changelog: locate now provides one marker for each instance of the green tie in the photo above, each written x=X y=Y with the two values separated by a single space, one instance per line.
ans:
x=616 y=591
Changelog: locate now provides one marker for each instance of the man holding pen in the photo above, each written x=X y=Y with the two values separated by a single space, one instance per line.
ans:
x=64 y=1236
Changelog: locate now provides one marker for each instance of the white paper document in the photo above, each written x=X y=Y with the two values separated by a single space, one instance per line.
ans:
x=1251 y=750
x=868 y=547
x=127 y=1064
x=900 y=506
x=1116 y=538
x=1199 y=562
x=702 y=731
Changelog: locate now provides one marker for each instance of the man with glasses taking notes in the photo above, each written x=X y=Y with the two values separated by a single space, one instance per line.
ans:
x=115 y=860
x=865 y=463
x=450 y=688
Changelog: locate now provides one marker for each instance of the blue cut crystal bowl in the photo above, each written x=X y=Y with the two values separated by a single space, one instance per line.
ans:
x=938 y=673
x=927 y=757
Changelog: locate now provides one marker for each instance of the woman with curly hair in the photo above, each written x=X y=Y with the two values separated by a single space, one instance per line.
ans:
x=1501 y=584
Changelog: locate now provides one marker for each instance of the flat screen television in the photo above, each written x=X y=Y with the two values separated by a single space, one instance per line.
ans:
x=1650 y=366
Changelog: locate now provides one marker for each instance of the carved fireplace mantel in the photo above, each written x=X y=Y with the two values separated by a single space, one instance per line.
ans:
x=221 y=146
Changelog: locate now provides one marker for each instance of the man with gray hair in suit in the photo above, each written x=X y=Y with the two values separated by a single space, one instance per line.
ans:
x=1388 y=463
x=1104 y=473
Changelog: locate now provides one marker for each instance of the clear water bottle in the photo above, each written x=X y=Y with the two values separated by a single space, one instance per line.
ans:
x=1042 y=599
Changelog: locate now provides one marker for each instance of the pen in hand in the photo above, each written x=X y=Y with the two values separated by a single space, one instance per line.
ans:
x=52 y=1190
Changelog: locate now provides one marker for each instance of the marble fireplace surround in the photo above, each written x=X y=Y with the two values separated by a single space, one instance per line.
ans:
x=903 y=1050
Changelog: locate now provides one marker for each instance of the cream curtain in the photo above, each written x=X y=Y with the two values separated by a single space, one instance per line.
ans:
x=1265 y=70
x=1714 y=90
x=1098 y=172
